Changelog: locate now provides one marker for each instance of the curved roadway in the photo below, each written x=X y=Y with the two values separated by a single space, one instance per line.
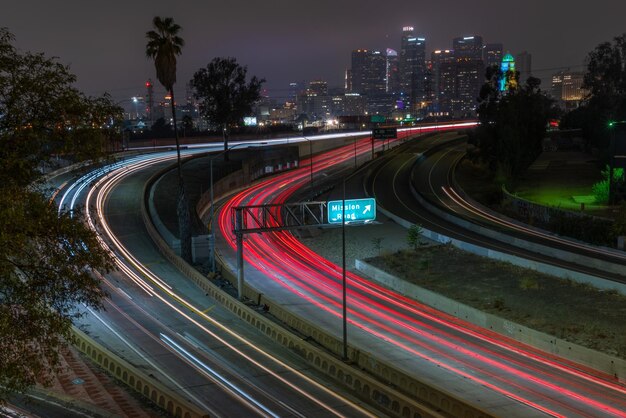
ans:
x=161 y=323
x=503 y=377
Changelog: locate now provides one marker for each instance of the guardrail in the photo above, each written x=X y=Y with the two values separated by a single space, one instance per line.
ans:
x=135 y=379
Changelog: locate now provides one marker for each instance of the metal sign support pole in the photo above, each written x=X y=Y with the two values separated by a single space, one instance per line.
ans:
x=239 y=235
x=211 y=232
x=343 y=247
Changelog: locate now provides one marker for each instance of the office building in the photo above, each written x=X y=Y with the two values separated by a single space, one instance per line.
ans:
x=468 y=47
x=470 y=74
x=368 y=72
x=392 y=78
x=349 y=104
x=523 y=61
x=412 y=64
x=444 y=80
x=318 y=87
x=358 y=70
x=492 y=54
x=567 y=89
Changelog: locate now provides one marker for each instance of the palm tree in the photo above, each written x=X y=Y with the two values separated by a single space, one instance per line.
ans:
x=163 y=46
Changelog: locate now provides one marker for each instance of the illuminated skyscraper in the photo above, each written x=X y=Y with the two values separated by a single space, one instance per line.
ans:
x=375 y=73
x=368 y=72
x=444 y=80
x=470 y=73
x=393 y=72
x=412 y=64
x=468 y=47
x=358 y=69
x=492 y=55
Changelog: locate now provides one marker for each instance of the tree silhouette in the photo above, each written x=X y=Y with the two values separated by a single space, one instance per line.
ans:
x=46 y=259
x=512 y=125
x=225 y=96
x=605 y=81
x=164 y=45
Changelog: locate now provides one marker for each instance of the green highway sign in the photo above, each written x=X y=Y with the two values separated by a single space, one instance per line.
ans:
x=378 y=119
x=356 y=210
x=384 y=133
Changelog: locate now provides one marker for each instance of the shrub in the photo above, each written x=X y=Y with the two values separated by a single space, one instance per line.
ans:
x=529 y=283
x=413 y=236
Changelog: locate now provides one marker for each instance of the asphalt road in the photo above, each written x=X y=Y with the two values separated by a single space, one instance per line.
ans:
x=159 y=321
x=502 y=376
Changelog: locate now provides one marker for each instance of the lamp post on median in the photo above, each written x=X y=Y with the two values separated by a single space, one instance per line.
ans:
x=343 y=280
x=613 y=126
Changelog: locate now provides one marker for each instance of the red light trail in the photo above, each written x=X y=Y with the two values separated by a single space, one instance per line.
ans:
x=539 y=380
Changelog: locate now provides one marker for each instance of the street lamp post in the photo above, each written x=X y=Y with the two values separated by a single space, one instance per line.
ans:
x=611 y=161
x=135 y=101
x=343 y=281
x=613 y=125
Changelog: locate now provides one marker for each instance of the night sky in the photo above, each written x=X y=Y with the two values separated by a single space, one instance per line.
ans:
x=283 y=41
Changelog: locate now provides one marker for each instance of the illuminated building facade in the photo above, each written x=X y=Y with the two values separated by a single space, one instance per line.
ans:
x=468 y=54
x=357 y=71
x=508 y=77
x=567 y=89
x=444 y=80
x=318 y=87
x=392 y=76
x=492 y=54
x=368 y=72
x=412 y=64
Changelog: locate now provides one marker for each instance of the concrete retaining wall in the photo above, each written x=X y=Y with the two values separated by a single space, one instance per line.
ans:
x=598 y=361
x=135 y=379
x=599 y=282
x=529 y=209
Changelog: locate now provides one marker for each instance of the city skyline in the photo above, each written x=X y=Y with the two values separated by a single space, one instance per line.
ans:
x=104 y=44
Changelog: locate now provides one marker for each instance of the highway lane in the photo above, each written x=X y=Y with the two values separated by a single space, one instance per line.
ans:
x=501 y=375
x=433 y=179
x=167 y=325
x=399 y=199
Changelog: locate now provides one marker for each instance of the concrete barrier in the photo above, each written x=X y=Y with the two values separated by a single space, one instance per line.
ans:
x=593 y=359
x=393 y=391
x=138 y=381
x=599 y=282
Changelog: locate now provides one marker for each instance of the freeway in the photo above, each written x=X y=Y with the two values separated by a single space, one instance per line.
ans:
x=503 y=377
x=161 y=323
x=434 y=180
